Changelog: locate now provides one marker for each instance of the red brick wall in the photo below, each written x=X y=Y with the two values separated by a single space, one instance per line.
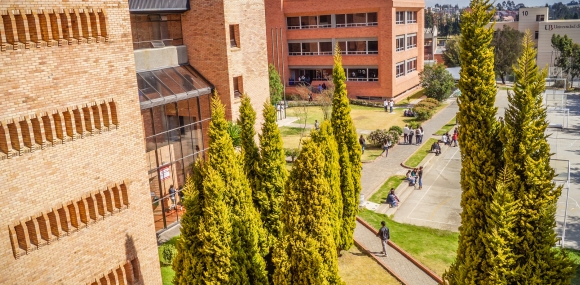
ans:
x=38 y=78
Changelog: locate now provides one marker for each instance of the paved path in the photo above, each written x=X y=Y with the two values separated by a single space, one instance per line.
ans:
x=396 y=261
x=375 y=173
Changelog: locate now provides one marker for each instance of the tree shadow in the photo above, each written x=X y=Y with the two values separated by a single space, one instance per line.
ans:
x=134 y=275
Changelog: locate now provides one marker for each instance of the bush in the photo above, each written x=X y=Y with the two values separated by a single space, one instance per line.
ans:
x=234 y=130
x=414 y=125
x=376 y=138
x=426 y=104
x=422 y=113
x=366 y=103
x=432 y=100
x=397 y=129
x=168 y=252
x=291 y=152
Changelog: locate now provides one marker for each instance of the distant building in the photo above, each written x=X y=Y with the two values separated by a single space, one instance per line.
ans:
x=536 y=19
x=381 y=44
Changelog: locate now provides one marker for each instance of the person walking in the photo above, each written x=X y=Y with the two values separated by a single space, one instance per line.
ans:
x=420 y=176
x=316 y=125
x=406 y=134
x=386 y=105
x=392 y=104
x=384 y=234
x=386 y=146
x=418 y=136
x=455 y=139
x=422 y=134
x=363 y=143
x=411 y=133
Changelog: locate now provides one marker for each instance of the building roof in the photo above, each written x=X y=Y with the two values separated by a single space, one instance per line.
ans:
x=153 y=6
x=171 y=84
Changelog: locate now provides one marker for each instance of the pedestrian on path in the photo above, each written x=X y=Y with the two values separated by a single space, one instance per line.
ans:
x=386 y=146
x=316 y=125
x=418 y=136
x=386 y=105
x=391 y=104
x=455 y=139
x=363 y=143
x=406 y=134
x=411 y=133
x=384 y=235
x=420 y=175
x=421 y=135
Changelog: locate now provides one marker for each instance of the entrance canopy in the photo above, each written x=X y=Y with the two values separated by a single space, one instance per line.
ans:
x=163 y=86
x=156 y=6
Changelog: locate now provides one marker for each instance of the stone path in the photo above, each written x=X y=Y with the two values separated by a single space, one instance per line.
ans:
x=398 y=263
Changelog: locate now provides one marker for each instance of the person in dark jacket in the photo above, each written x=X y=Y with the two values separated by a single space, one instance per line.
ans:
x=385 y=236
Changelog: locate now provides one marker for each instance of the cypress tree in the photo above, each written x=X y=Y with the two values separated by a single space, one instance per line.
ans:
x=203 y=255
x=349 y=152
x=250 y=150
x=272 y=175
x=306 y=254
x=248 y=266
x=527 y=155
x=480 y=145
x=501 y=238
x=325 y=140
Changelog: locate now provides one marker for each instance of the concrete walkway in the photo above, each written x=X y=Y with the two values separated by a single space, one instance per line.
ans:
x=395 y=261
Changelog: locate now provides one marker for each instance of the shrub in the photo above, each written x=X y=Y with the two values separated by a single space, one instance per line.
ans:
x=414 y=125
x=291 y=152
x=432 y=100
x=168 y=252
x=365 y=103
x=426 y=104
x=234 y=130
x=397 y=129
x=422 y=113
x=376 y=138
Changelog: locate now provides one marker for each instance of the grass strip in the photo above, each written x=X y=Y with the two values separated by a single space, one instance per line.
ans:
x=434 y=248
x=167 y=272
x=420 y=154
x=447 y=127
x=381 y=195
x=575 y=256
x=292 y=131
x=371 y=154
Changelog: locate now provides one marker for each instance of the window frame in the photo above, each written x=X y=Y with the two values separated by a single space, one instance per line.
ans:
x=400 y=73
x=411 y=17
x=402 y=46
x=400 y=20
x=410 y=44
x=413 y=67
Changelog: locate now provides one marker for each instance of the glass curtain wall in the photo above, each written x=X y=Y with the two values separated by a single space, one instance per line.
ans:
x=174 y=141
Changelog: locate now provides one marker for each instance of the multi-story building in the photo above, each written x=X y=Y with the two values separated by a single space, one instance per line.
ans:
x=73 y=177
x=536 y=20
x=86 y=150
x=381 y=44
x=181 y=56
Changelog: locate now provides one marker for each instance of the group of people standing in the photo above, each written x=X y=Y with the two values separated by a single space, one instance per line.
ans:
x=409 y=132
x=415 y=176
x=450 y=139
x=389 y=105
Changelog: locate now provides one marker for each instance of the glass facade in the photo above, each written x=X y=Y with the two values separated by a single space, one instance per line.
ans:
x=174 y=141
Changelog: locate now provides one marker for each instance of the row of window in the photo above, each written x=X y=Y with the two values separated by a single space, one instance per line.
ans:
x=404 y=42
x=410 y=17
x=35 y=232
x=329 y=21
x=410 y=64
x=362 y=74
x=326 y=48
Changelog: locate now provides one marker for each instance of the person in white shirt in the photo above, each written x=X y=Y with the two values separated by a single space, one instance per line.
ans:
x=444 y=139
x=386 y=105
x=391 y=104
x=406 y=134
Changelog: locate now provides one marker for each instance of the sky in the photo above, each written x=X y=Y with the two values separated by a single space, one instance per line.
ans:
x=465 y=3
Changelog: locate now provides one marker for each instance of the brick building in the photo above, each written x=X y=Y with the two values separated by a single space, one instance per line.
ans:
x=86 y=150
x=381 y=42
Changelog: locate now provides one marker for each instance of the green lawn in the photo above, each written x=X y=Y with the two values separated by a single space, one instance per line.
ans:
x=407 y=100
x=381 y=195
x=167 y=272
x=420 y=154
x=447 y=127
x=575 y=255
x=371 y=154
x=291 y=131
x=436 y=249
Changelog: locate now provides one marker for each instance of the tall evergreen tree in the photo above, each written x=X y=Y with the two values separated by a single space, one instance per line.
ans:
x=527 y=155
x=501 y=239
x=203 y=251
x=272 y=176
x=480 y=144
x=306 y=254
x=349 y=151
x=324 y=138
x=276 y=86
x=251 y=155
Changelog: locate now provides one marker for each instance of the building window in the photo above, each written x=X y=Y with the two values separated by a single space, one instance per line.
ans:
x=411 y=41
x=356 y=20
x=362 y=74
x=539 y=18
x=293 y=22
x=400 y=69
x=400 y=18
x=536 y=35
x=155 y=31
x=400 y=43
x=411 y=65
x=235 y=35
x=308 y=22
x=411 y=17
x=324 y=21
x=325 y=48
x=238 y=86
